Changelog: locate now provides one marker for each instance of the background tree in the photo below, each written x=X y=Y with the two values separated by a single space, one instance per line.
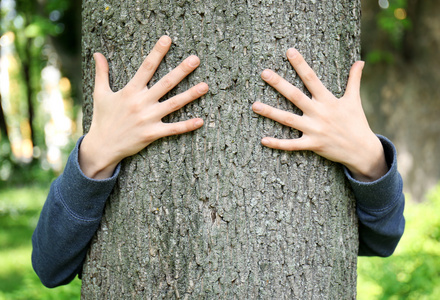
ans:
x=213 y=213
x=400 y=84
x=29 y=30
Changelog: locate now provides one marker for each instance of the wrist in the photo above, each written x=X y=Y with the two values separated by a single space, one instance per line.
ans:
x=94 y=160
x=371 y=163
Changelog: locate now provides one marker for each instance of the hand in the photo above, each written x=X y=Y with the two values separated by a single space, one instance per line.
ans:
x=127 y=121
x=336 y=129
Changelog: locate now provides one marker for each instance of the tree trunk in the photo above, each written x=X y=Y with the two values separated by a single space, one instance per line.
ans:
x=27 y=66
x=214 y=214
x=3 y=125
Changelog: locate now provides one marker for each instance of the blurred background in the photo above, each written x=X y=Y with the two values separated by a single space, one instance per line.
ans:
x=40 y=120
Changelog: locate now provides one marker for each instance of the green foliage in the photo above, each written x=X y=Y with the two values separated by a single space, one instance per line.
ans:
x=41 y=27
x=394 y=21
x=15 y=174
x=386 y=38
x=5 y=159
x=377 y=56
x=413 y=271
x=19 y=211
x=33 y=24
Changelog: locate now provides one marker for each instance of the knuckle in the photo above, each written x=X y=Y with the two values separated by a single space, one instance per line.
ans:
x=186 y=67
x=319 y=131
x=174 y=130
x=195 y=92
x=148 y=65
x=166 y=83
x=275 y=79
x=293 y=94
x=263 y=110
x=160 y=49
x=173 y=104
x=292 y=147
x=190 y=95
x=309 y=76
x=296 y=61
x=135 y=105
x=289 y=120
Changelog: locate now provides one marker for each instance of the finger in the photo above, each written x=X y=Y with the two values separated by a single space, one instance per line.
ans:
x=354 y=79
x=281 y=116
x=308 y=76
x=179 y=101
x=289 y=91
x=169 y=81
x=168 y=129
x=151 y=62
x=285 y=144
x=101 y=74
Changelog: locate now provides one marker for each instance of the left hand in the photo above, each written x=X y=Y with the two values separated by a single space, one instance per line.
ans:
x=336 y=129
x=129 y=120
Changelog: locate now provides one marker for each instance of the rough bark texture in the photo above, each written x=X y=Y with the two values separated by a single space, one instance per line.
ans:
x=213 y=214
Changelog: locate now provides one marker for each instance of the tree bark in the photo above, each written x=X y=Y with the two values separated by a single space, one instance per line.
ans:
x=214 y=214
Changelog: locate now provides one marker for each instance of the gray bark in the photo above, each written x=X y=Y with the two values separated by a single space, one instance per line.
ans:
x=214 y=214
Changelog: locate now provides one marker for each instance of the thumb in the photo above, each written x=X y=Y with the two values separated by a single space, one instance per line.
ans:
x=354 y=79
x=101 y=73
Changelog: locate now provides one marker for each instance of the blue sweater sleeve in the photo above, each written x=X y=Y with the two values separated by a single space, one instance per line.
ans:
x=68 y=221
x=379 y=207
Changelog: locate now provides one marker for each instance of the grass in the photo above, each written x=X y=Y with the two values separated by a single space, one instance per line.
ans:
x=19 y=211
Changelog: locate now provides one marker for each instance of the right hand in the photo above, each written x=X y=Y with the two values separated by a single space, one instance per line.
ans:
x=336 y=129
x=127 y=121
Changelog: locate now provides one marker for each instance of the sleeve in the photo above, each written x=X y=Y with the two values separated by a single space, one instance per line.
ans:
x=68 y=221
x=379 y=206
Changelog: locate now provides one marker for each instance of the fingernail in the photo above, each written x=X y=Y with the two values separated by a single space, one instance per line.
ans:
x=291 y=53
x=203 y=88
x=193 y=61
x=266 y=74
x=265 y=141
x=257 y=107
x=164 y=40
x=198 y=123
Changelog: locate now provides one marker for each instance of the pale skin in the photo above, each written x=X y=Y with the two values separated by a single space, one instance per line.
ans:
x=336 y=129
x=129 y=120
